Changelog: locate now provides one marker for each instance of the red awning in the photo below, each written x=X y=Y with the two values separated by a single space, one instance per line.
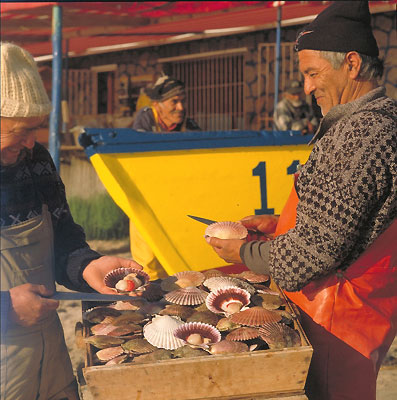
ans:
x=99 y=27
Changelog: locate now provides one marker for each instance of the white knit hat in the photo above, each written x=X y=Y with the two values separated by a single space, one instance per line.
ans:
x=22 y=89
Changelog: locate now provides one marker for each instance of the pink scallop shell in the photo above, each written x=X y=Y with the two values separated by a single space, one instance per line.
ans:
x=243 y=333
x=160 y=332
x=189 y=278
x=226 y=230
x=253 y=277
x=109 y=353
x=204 y=330
x=112 y=277
x=255 y=316
x=227 y=347
x=218 y=300
x=189 y=296
x=211 y=273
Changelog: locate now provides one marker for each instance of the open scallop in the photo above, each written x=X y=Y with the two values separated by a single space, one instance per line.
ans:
x=226 y=230
x=113 y=279
x=227 y=300
x=197 y=334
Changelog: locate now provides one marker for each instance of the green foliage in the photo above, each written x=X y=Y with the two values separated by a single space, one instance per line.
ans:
x=100 y=217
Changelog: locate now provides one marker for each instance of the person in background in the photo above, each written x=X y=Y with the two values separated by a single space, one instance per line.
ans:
x=40 y=244
x=167 y=112
x=335 y=252
x=293 y=113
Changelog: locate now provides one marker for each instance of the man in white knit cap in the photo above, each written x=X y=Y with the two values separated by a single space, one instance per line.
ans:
x=40 y=243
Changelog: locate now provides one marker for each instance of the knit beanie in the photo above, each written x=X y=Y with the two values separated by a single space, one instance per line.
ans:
x=165 y=88
x=342 y=27
x=22 y=89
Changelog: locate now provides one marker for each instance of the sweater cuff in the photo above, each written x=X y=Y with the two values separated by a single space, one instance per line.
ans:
x=255 y=256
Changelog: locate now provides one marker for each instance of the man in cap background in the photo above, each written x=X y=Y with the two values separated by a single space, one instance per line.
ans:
x=293 y=113
x=40 y=243
x=167 y=112
x=335 y=250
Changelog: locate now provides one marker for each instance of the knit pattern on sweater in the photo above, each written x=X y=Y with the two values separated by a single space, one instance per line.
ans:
x=347 y=193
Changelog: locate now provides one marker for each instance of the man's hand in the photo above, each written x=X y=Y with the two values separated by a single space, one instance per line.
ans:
x=29 y=304
x=96 y=270
x=228 y=249
x=262 y=223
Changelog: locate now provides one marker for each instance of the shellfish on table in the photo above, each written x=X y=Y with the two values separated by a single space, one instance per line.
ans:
x=126 y=280
x=226 y=230
x=160 y=332
x=227 y=300
x=197 y=334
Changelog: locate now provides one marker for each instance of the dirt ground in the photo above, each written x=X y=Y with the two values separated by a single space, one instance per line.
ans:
x=70 y=314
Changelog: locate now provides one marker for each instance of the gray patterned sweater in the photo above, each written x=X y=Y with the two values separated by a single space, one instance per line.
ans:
x=347 y=195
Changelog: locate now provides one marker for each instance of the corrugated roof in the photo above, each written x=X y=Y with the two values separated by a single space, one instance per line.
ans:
x=98 y=27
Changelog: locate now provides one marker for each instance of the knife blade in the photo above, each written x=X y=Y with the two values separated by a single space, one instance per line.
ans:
x=91 y=296
x=255 y=235
x=203 y=220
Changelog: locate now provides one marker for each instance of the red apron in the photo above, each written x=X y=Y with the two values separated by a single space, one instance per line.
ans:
x=355 y=309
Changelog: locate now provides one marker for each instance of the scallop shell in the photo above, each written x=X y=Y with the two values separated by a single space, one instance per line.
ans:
x=225 y=325
x=264 y=289
x=211 y=273
x=189 y=278
x=168 y=284
x=98 y=314
x=227 y=281
x=127 y=305
x=253 y=277
x=129 y=317
x=204 y=333
x=109 y=353
x=268 y=301
x=117 y=360
x=103 y=341
x=183 y=312
x=102 y=329
x=128 y=329
x=160 y=332
x=227 y=347
x=140 y=346
x=226 y=230
x=153 y=292
x=112 y=277
x=243 y=333
x=278 y=335
x=206 y=317
x=227 y=300
x=255 y=316
x=157 y=355
x=189 y=296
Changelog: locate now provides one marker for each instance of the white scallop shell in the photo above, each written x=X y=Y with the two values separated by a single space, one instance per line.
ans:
x=226 y=230
x=160 y=332
x=218 y=300
x=189 y=296
x=189 y=278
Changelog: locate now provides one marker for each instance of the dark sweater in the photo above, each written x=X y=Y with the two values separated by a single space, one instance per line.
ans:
x=347 y=195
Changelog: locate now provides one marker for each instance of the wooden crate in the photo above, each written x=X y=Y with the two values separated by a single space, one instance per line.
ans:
x=257 y=375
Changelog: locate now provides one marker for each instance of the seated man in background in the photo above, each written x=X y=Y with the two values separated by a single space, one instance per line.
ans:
x=167 y=112
x=293 y=113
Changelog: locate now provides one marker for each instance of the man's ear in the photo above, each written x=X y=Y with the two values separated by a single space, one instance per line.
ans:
x=353 y=62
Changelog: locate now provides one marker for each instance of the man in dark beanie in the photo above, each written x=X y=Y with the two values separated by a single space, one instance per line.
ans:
x=335 y=252
x=167 y=113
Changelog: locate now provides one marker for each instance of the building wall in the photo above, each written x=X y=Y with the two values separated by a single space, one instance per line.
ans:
x=77 y=173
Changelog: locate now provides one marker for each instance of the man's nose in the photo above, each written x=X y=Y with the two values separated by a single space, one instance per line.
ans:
x=308 y=86
x=180 y=106
x=29 y=141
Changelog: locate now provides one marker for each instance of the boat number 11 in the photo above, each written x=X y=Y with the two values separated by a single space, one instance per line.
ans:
x=260 y=170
